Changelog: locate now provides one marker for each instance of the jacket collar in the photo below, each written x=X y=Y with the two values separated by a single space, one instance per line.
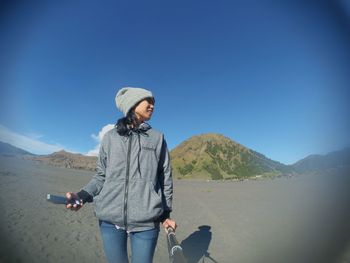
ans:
x=141 y=130
x=143 y=127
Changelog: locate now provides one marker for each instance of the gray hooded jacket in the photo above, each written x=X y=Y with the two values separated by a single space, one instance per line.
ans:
x=133 y=185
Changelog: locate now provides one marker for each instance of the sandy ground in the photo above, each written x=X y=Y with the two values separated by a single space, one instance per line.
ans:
x=298 y=219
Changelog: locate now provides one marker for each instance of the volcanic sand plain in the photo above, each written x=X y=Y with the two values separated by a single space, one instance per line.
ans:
x=303 y=218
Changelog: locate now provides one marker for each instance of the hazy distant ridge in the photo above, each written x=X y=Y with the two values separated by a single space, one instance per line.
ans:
x=8 y=149
x=316 y=163
x=68 y=160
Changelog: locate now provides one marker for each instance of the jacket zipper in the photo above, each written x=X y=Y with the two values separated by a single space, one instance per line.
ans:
x=127 y=184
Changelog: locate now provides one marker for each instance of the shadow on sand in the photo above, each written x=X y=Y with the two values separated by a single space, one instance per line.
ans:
x=195 y=246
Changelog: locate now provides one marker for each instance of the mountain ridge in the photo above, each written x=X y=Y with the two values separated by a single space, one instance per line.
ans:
x=205 y=156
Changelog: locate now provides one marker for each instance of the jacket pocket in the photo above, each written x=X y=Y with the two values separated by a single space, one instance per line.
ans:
x=144 y=203
x=109 y=203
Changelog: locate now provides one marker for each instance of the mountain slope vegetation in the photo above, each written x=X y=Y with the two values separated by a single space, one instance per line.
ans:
x=214 y=156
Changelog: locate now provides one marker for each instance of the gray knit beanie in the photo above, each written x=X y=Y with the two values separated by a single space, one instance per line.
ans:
x=128 y=97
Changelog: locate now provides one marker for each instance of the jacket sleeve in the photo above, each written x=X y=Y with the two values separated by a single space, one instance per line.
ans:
x=166 y=180
x=95 y=185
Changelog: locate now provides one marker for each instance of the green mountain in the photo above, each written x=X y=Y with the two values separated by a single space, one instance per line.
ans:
x=214 y=156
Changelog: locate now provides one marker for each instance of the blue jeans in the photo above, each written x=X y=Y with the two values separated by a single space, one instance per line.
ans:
x=143 y=244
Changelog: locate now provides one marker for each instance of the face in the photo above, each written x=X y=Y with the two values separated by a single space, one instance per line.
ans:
x=144 y=109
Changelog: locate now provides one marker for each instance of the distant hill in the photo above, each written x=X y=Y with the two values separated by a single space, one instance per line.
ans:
x=68 y=160
x=214 y=156
x=317 y=163
x=8 y=149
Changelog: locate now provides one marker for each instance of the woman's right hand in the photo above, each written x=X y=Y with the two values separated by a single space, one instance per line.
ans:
x=74 y=196
x=169 y=223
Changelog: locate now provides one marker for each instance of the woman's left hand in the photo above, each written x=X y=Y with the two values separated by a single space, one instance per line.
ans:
x=169 y=223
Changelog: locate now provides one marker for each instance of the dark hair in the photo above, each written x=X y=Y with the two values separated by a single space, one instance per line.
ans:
x=124 y=124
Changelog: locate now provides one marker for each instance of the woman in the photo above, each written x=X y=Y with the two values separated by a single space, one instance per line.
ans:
x=132 y=189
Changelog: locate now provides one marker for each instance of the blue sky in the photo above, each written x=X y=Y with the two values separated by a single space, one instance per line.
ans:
x=271 y=75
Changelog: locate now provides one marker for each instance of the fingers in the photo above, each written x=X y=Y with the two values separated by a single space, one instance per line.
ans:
x=73 y=207
x=169 y=223
x=172 y=224
x=70 y=195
